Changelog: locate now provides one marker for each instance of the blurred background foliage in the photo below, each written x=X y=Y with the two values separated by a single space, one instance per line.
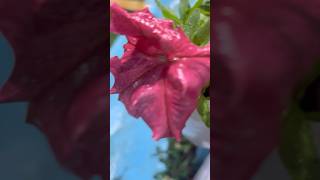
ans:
x=179 y=160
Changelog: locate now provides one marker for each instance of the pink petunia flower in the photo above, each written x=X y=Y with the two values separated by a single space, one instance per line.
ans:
x=161 y=74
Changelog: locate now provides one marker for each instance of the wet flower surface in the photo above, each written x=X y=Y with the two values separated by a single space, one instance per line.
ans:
x=161 y=73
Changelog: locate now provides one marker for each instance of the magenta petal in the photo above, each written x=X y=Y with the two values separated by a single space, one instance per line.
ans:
x=120 y=22
x=131 y=66
x=136 y=24
x=167 y=95
x=154 y=36
x=161 y=73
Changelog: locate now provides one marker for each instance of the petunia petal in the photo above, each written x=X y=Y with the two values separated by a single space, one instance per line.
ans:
x=167 y=95
x=154 y=36
x=161 y=73
x=132 y=65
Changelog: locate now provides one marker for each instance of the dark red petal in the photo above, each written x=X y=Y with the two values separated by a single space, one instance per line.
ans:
x=72 y=116
x=48 y=41
x=262 y=51
x=131 y=67
x=59 y=49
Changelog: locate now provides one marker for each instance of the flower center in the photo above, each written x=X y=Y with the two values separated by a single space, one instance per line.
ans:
x=163 y=58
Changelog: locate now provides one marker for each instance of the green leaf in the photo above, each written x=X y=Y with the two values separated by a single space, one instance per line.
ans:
x=192 y=9
x=179 y=161
x=204 y=110
x=297 y=149
x=196 y=5
x=167 y=13
x=205 y=8
x=184 y=7
x=202 y=35
x=192 y=23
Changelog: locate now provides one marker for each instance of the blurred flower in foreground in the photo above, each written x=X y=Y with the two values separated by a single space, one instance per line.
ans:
x=59 y=49
x=161 y=73
x=263 y=50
